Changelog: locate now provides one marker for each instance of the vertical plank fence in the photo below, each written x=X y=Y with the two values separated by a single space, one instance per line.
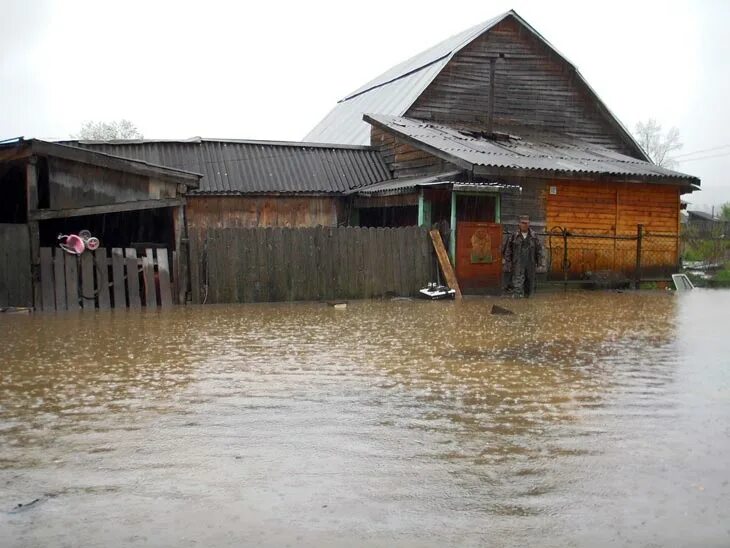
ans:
x=104 y=279
x=282 y=264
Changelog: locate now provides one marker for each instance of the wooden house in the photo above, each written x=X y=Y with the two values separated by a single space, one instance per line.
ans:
x=498 y=108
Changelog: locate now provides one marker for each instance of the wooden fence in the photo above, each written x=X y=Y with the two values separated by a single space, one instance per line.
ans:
x=97 y=280
x=15 y=280
x=292 y=264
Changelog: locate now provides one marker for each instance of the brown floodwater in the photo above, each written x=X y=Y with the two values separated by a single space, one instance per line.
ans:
x=584 y=419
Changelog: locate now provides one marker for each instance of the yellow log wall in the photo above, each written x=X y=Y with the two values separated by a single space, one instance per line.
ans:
x=613 y=209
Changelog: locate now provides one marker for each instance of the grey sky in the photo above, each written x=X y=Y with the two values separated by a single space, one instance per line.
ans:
x=272 y=71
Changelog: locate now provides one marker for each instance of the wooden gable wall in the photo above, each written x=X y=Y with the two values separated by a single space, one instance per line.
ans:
x=533 y=87
x=403 y=159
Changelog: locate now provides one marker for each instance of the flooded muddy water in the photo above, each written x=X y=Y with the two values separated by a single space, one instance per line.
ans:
x=584 y=419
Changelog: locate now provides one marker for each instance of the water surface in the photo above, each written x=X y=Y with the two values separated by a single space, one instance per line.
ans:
x=583 y=419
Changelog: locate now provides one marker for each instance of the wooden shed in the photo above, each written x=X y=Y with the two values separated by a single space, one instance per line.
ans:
x=51 y=189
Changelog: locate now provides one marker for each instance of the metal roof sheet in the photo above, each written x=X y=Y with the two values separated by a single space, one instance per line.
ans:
x=556 y=153
x=245 y=167
x=398 y=185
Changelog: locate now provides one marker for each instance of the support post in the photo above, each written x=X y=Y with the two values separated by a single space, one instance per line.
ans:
x=31 y=185
x=424 y=211
x=183 y=254
x=637 y=272
x=452 y=232
x=566 y=261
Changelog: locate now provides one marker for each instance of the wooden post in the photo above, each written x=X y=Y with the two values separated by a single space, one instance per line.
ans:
x=446 y=268
x=639 y=238
x=452 y=232
x=566 y=262
x=31 y=182
x=424 y=211
x=182 y=256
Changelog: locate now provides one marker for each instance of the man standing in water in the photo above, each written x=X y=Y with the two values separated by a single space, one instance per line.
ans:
x=523 y=253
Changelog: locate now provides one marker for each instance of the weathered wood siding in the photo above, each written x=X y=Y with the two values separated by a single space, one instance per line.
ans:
x=15 y=279
x=250 y=212
x=615 y=210
x=533 y=87
x=75 y=185
x=279 y=264
x=405 y=160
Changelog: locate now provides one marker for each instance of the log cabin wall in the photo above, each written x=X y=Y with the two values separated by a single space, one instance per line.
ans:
x=615 y=209
x=404 y=160
x=208 y=212
x=533 y=88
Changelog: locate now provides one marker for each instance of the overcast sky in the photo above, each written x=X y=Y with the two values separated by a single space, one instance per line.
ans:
x=272 y=70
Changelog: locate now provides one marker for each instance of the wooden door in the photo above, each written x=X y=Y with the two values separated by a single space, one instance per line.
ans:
x=479 y=257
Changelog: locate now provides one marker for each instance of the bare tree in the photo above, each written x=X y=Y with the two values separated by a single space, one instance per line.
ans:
x=108 y=131
x=656 y=144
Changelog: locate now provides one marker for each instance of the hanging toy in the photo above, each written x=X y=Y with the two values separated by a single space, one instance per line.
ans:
x=76 y=244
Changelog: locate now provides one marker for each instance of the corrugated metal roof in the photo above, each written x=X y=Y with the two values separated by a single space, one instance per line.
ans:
x=397 y=186
x=245 y=167
x=557 y=153
x=344 y=123
x=394 y=91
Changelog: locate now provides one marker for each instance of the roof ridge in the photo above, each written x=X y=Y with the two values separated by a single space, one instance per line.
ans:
x=200 y=140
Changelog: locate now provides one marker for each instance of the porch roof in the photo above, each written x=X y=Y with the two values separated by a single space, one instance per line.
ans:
x=453 y=179
x=525 y=155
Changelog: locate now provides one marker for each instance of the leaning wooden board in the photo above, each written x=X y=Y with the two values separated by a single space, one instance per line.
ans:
x=446 y=268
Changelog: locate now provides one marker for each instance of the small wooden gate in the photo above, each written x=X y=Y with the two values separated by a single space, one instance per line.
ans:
x=98 y=280
x=479 y=257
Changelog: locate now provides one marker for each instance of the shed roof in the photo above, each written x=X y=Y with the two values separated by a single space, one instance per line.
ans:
x=396 y=90
x=258 y=167
x=23 y=148
x=539 y=153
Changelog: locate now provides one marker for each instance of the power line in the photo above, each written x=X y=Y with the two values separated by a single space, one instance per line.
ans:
x=702 y=157
x=703 y=150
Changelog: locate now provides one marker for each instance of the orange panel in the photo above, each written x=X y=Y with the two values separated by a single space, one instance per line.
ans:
x=479 y=256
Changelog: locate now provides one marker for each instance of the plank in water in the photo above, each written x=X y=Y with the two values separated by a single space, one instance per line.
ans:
x=133 y=278
x=120 y=298
x=49 y=300
x=163 y=269
x=60 y=278
x=102 y=277
x=87 y=281
x=148 y=267
x=72 y=282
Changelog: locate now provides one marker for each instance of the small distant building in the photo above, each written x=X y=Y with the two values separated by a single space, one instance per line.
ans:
x=703 y=224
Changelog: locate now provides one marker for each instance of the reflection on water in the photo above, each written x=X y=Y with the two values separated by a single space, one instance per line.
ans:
x=588 y=418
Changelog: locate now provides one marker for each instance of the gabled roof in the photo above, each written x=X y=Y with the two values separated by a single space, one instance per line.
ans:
x=396 y=90
x=232 y=167
x=556 y=154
